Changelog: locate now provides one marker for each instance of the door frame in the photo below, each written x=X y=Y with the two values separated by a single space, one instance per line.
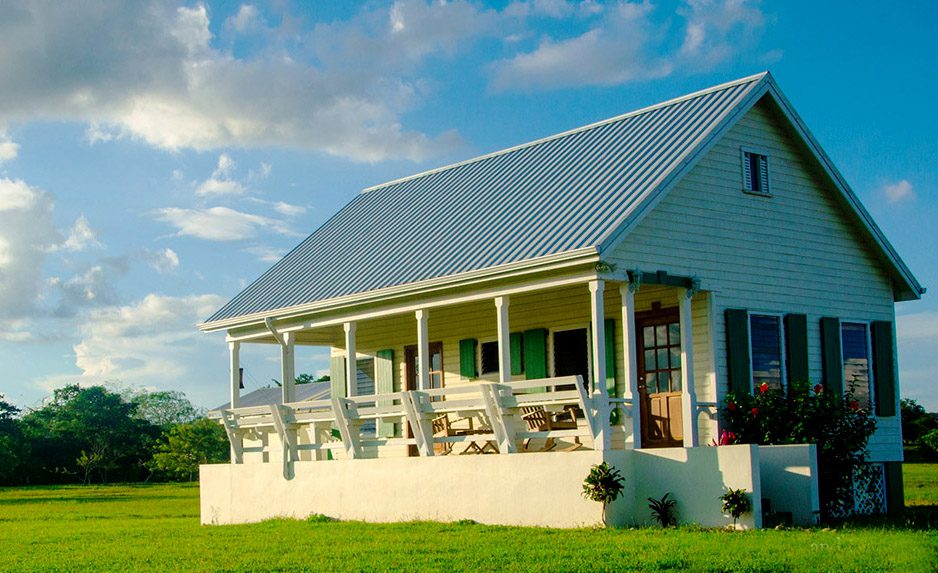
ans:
x=654 y=317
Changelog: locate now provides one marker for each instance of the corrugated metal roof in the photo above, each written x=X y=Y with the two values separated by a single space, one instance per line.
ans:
x=551 y=196
x=268 y=396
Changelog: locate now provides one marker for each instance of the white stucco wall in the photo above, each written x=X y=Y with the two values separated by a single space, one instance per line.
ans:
x=535 y=489
x=789 y=481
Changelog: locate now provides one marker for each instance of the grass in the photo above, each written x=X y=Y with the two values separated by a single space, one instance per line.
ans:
x=156 y=528
x=921 y=484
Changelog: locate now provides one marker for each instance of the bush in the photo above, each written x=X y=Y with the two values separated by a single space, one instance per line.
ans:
x=664 y=510
x=839 y=426
x=603 y=484
x=736 y=502
x=930 y=441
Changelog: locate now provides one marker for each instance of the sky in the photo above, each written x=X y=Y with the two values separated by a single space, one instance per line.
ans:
x=156 y=157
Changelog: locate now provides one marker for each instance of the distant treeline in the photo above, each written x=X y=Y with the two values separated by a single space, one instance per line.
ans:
x=93 y=434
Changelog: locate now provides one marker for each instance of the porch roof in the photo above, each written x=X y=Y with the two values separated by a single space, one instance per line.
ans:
x=573 y=193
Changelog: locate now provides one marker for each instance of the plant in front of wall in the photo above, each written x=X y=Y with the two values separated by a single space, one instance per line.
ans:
x=736 y=502
x=604 y=484
x=664 y=510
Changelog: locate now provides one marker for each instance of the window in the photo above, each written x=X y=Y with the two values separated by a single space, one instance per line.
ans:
x=489 y=357
x=855 y=348
x=755 y=172
x=765 y=342
x=571 y=355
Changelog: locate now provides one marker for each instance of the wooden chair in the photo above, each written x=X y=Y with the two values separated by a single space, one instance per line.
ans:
x=442 y=428
x=540 y=420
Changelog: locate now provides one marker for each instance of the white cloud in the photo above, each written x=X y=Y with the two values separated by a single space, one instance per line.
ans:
x=27 y=232
x=220 y=187
x=247 y=19
x=164 y=261
x=288 y=209
x=265 y=254
x=918 y=326
x=716 y=30
x=80 y=237
x=9 y=149
x=217 y=223
x=899 y=192
x=152 y=73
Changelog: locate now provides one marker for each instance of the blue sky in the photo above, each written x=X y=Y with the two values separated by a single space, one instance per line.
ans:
x=157 y=157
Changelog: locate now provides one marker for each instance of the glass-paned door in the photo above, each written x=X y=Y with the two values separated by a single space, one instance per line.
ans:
x=659 y=377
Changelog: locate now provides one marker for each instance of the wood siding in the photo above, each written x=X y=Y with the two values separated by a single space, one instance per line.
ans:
x=795 y=251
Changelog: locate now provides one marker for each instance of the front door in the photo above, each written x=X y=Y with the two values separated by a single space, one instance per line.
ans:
x=411 y=367
x=659 y=377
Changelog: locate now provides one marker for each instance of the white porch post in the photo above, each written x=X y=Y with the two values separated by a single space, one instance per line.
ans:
x=630 y=370
x=423 y=350
x=504 y=344
x=234 y=365
x=688 y=393
x=600 y=398
x=288 y=367
x=351 y=359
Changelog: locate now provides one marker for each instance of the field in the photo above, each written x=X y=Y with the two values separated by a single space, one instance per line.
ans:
x=156 y=528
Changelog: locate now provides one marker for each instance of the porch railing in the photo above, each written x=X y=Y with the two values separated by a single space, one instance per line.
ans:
x=335 y=424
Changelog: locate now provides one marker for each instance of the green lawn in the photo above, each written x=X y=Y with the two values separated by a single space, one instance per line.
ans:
x=156 y=528
x=921 y=484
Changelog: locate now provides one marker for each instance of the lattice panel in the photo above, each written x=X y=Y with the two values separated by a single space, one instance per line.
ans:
x=869 y=489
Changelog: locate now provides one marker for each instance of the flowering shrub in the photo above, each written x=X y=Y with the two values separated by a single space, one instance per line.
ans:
x=839 y=426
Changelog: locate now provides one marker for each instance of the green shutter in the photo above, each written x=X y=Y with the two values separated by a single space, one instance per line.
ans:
x=467 y=358
x=610 y=335
x=884 y=368
x=384 y=384
x=337 y=376
x=796 y=348
x=535 y=354
x=737 y=350
x=831 y=357
x=515 y=342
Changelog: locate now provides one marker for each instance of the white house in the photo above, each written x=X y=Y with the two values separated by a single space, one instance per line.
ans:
x=663 y=257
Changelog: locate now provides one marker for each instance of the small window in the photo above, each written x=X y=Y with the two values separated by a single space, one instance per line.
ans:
x=855 y=345
x=489 y=357
x=755 y=173
x=765 y=339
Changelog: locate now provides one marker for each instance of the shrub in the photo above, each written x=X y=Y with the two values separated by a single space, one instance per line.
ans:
x=664 y=510
x=930 y=441
x=839 y=426
x=603 y=484
x=736 y=502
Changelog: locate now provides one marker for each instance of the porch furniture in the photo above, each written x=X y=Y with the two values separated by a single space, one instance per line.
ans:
x=539 y=419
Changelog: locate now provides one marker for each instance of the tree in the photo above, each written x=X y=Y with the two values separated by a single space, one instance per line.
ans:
x=12 y=445
x=89 y=430
x=916 y=421
x=185 y=446
x=165 y=408
x=604 y=484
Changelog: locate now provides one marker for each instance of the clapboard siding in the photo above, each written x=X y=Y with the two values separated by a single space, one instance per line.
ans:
x=795 y=251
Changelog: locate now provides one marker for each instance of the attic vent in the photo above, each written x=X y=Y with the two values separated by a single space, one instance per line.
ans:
x=755 y=172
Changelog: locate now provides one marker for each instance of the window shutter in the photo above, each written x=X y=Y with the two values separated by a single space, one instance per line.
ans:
x=384 y=384
x=535 y=354
x=763 y=173
x=515 y=341
x=747 y=171
x=884 y=364
x=467 y=358
x=610 y=328
x=796 y=348
x=737 y=350
x=337 y=376
x=831 y=358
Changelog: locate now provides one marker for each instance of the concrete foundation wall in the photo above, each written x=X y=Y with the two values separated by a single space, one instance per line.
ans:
x=538 y=489
x=789 y=480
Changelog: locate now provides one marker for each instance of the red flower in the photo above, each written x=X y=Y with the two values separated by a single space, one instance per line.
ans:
x=755 y=411
x=764 y=388
x=731 y=407
x=854 y=405
x=818 y=388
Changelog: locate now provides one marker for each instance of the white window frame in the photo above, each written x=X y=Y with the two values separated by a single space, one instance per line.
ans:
x=768 y=170
x=869 y=358
x=782 y=349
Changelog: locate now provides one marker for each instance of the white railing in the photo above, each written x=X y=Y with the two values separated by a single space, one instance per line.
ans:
x=492 y=414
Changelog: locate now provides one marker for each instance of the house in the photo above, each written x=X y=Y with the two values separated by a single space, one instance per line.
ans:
x=626 y=274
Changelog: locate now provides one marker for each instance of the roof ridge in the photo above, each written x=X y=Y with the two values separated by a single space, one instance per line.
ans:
x=634 y=113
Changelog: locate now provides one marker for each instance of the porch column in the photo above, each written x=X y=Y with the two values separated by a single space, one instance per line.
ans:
x=630 y=370
x=688 y=393
x=504 y=344
x=288 y=367
x=351 y=360
x=423 y=351
x=234 y=365
x=600 y=398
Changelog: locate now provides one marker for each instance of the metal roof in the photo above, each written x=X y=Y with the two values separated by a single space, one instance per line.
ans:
x=551 y=196
x=268 y=396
